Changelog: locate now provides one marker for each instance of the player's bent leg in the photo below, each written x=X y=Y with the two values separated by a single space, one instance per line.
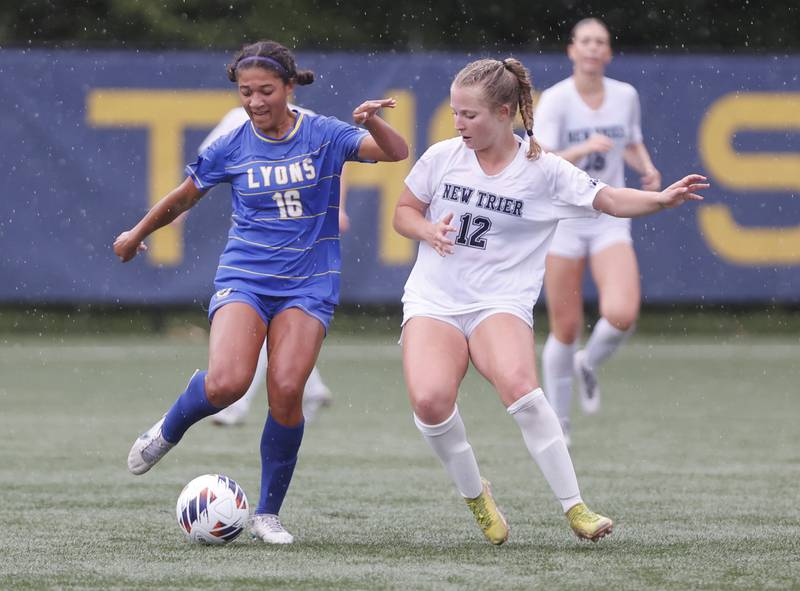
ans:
x=616 y=274
x=502 y=349
x=293 y=342
x=433 y=389
x=565 y=313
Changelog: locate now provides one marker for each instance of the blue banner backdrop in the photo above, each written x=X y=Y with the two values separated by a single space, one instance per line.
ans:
x=92 y=138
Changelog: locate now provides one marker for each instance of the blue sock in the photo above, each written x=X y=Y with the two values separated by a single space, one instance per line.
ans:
x=279 y=447
x=190 y=407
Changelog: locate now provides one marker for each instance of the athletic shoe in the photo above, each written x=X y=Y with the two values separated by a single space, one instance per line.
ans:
x=588 y=525
x=267 y=527
x=488 y=516
x=588 y=387
x=232 y=415
x=148 y=449
x=313 y=401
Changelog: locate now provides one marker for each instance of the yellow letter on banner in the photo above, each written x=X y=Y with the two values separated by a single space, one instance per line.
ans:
x=753 y=111
x=166 y=114
x=388 y=178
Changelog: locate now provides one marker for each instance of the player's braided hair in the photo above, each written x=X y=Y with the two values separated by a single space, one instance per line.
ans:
x=505 y=82
x=277 y=59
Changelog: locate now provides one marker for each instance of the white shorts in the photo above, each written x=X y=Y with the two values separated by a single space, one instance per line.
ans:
x=467 y=322
x=581 y=237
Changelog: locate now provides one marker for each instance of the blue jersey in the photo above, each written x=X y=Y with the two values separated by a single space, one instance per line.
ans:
x=284 y=236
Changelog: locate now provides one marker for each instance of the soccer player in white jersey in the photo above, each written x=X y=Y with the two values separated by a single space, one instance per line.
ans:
x=315 y=394
x=594 y=122
x=278 y=276
x=484 y=207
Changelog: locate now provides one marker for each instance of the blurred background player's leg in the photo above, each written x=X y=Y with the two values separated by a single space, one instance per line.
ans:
x=315 y=396
x=562 y=282
x=616 y=274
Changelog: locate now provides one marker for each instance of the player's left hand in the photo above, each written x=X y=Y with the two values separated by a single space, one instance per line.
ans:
x=366 y=110
x=683 y=190
x=651 y=180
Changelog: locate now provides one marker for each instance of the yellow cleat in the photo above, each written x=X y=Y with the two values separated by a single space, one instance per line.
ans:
x=488 y=516
x=588 y=525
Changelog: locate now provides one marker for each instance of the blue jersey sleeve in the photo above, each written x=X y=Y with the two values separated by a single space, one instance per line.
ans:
x=210 y=168
x=347 y=138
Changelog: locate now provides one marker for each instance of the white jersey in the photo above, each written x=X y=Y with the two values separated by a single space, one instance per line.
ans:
x=505 y=223
x=563 y=119
x=234 y=119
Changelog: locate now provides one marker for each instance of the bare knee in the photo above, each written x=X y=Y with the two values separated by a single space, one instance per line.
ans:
x=515 y=384
x=566 y=329
x=223 y=388
x=432 y=407
x=621 y=317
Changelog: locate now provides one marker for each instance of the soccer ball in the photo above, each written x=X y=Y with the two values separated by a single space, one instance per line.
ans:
x=212 y=509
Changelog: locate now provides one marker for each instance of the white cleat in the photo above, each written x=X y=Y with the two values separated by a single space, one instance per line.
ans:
x=588 y=388
x=313 y=401
x=148 y=448
x=268 y=528
x=232 y=415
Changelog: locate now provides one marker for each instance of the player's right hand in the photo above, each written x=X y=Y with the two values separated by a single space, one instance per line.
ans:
x=126 y=246
x=438 y=236
x=597 y=142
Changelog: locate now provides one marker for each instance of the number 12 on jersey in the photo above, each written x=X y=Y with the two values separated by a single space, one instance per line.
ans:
x=473 y=237
x=289 y=204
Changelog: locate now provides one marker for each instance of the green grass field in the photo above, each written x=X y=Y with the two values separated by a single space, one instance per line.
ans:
x=695 y=456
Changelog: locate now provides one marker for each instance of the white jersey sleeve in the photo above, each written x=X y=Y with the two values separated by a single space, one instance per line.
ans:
x=547 y=121
x=635 y=123
x=573 y=190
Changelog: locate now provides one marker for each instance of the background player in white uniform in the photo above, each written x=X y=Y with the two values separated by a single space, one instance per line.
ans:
x=594 y=122
x=316 y=394
x=484 y=207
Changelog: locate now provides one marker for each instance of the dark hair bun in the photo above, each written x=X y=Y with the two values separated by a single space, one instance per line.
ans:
x=304 y=77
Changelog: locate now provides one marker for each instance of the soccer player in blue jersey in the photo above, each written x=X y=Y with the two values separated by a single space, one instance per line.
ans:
x=278 y=276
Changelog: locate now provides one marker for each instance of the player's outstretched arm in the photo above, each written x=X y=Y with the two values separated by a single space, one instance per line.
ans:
x=383 y=144
x=183 y=197
x=410 y=221
x=631 y=203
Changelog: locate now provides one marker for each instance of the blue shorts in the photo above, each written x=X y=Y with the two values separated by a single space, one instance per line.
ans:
x=269 y=306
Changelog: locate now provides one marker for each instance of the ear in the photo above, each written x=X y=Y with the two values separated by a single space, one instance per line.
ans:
x=504 y=111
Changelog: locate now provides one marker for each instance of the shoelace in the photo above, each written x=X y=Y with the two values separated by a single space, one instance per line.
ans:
x=591 y=382
x=155 y=447
x=272 y=522
x=481 y=512
x=583 y=516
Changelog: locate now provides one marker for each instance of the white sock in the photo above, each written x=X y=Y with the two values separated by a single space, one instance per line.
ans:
x=545 y=442
x=448 y=440
x=557 y=375
x=604 y=340
x=315 y=387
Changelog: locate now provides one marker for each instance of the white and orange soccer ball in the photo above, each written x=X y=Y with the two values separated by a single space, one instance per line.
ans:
x=212 y=509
